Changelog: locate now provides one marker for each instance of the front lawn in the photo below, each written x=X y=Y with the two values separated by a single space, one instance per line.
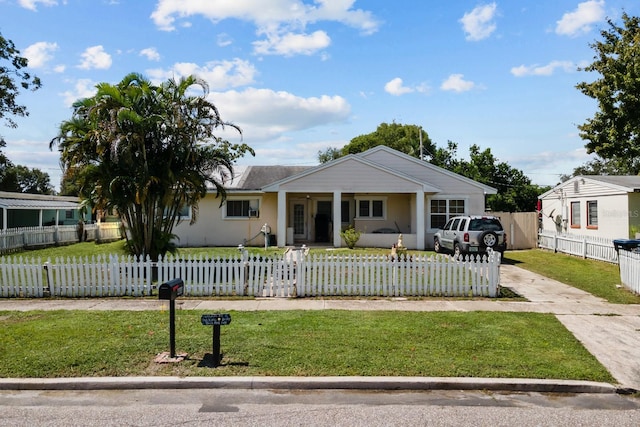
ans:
x=304 y=343
x=599 y=278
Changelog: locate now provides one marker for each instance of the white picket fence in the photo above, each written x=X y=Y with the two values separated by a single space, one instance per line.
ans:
x=601 y=249
x=630 y=270
x=298 y=276
x=15 y=239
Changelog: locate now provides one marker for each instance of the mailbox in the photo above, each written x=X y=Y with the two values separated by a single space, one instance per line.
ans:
x=171 y=289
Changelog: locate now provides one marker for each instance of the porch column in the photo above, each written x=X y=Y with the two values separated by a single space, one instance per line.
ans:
x=40 y=218
x=337 y=218
x=4 y=218
x=282 y=219
x=420 y=221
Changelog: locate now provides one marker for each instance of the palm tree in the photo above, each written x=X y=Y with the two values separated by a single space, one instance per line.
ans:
x=147 y=151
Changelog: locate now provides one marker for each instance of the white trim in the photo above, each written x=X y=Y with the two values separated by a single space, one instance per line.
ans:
x=447 y=214
x=371 y=198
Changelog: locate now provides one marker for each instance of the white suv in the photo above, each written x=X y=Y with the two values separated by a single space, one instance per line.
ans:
x=470 y=235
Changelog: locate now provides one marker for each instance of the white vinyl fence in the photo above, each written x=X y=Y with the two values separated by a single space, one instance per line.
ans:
x=299 y=276
x=16 y=239
x=601 y=249
x=630 y=270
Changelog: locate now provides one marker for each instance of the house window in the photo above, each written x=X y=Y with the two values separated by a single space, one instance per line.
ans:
x=592 y=214
x=440 y=210
x=371 y=208
x=184 y=213
x=68 y=214
x=575 y=214
x=241 y=208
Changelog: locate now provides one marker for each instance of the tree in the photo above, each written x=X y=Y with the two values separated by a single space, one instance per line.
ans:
x=404 y=138
x=600 y=166
x=21 y=179
x=12 y=79
x=614 y=130
x=515 y=193
x=147 y=151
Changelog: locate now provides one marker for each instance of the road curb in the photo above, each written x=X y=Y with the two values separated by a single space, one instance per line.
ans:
x=313 y=383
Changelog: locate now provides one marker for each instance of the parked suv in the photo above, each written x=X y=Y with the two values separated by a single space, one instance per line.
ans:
x=470 y=235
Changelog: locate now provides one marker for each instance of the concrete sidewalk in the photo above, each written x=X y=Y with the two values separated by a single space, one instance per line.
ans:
x=611 y=332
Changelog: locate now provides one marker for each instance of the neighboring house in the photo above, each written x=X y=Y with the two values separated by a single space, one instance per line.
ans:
x=381 y=192
x=37 y=210
x=592 y=205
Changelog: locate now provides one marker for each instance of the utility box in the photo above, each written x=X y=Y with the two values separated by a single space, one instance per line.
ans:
x=171 y=289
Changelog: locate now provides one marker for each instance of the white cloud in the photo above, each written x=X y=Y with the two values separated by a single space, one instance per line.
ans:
x=292 y=44
x=83 y=88
x=219 y=75
x=224 y=40
x=457 y=83
x=265 y=114
x=40 y=53
x=543 y=70
x=282 y=21
x=32 y=4
x=151 y=53
x=95 y=58
x=580 y=20
x=479 y=23
x=396 y=87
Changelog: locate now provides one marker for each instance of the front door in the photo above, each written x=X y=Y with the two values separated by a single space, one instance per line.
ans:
x=323 y=221
x=298 y=215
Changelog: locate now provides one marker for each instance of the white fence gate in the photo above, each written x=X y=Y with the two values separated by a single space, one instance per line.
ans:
x=298 y=276
x=630 y=270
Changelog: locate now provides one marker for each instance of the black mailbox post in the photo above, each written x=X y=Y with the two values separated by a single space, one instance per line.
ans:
x=170 y=291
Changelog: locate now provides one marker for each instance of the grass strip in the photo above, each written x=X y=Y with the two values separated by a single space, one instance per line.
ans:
x=301 y=343
x=599 y=278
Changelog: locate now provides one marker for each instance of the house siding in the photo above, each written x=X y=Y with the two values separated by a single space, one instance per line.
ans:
x=351 y=176
x=427 y=172
x=613 y=209
x=212 y=229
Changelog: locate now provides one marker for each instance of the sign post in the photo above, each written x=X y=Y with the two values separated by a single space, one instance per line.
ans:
x=216 y=320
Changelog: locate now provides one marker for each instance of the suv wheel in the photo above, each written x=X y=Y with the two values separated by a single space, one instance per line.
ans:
x=457 y=253
x=489 y=239
x=436 y=245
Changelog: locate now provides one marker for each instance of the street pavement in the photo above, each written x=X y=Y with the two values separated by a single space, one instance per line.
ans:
x=611 y=332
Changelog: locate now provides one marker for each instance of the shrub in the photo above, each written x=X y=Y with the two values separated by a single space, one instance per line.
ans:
x=350 y=236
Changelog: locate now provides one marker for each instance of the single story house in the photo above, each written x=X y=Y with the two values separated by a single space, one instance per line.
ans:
x=37 y=210
x=593 y=205
x=381 y=192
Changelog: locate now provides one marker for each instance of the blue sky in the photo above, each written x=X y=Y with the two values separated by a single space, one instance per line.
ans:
x=299 y=76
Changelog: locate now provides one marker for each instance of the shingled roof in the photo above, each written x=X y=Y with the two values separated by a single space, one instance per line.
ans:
x=254 y=178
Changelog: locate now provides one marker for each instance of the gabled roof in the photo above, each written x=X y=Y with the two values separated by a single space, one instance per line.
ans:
x=630 y=183
x=427 y=166
x=621 y=183
x=352 y=158
x=270 y=178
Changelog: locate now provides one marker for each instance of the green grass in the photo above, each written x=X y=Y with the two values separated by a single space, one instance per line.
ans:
x=596 y=277
x=305 y=343
x=91 y=248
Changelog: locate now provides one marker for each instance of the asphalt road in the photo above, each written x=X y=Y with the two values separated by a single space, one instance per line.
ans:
x=228 y=408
